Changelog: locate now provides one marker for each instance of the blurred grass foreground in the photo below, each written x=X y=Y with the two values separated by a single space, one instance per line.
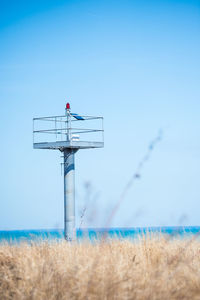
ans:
x=153 y=267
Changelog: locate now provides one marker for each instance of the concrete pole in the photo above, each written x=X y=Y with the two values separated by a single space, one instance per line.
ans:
x=69 y=195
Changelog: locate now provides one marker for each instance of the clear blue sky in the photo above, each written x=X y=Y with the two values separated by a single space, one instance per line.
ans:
x=137 y=63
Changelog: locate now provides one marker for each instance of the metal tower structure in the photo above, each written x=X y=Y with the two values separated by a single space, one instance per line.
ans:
x=61 y=133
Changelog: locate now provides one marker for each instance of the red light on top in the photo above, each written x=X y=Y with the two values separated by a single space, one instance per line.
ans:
x=68 y=106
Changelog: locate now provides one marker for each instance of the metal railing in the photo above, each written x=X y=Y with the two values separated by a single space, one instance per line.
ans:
x=66 y=128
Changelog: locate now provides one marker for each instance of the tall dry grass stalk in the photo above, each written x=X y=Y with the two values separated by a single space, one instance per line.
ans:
x=151 y=268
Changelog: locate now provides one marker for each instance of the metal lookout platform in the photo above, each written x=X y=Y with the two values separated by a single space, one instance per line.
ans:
x=67 y=134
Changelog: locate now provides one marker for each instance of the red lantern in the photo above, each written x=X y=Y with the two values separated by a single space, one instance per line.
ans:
x=67 y=106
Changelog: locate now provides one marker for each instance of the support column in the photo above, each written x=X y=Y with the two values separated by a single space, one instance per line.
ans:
x=69 y=195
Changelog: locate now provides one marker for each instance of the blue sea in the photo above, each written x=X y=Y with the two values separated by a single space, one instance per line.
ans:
x=97 y=233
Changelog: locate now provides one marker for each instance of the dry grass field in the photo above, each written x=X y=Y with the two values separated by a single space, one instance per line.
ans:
x=150 y=268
